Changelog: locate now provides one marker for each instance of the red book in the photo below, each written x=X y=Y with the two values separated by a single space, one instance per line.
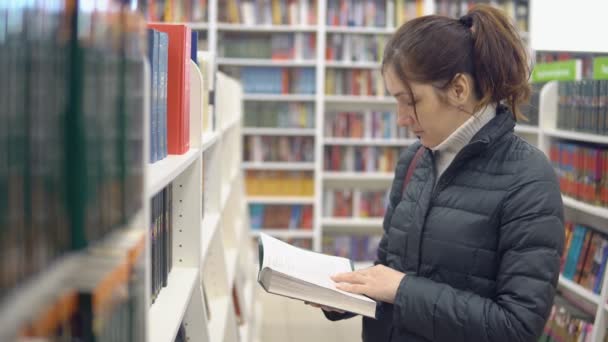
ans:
x=178 y=86
x=583 y=256
x=307 y=217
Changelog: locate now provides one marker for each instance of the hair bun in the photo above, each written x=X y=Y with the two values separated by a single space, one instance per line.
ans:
x=466 y=20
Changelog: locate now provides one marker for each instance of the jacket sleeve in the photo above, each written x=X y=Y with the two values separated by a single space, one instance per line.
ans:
x=531 y=237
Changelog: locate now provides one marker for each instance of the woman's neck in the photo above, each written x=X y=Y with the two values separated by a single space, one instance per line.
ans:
x=447 y=150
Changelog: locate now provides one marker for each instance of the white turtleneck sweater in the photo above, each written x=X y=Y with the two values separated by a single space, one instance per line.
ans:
x=447 y=150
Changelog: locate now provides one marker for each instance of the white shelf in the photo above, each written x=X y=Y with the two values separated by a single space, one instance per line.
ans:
x=281 y=200
x=168 y=310
x=584 y=137
x=266 y=62
x=351 y=99
x=285 y=233
x=352 y=222
x=353 y=65
x=210 y=225
x=279 y=97
x=198 y=26
x=232 y=256
x=279 y=131
x=165 y=171
x=585 y=207
x=265 y=28
x=578 y=290
x=288 y=166
x=219 y=314
x=367 y=141
x=360 y=30
x=526 y=129
x=208 y=140
x=357 y=176
x=230 y=125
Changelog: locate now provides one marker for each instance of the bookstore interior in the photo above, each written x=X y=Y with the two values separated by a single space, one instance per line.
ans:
x=222 y=122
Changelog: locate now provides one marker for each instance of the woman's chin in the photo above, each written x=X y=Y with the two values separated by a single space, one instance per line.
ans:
x=426 y=143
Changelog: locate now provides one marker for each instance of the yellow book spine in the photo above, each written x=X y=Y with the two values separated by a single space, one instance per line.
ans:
x=276 y=12
x=419 y=8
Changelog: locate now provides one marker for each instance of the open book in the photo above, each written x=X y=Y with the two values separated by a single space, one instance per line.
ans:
x=296 y=273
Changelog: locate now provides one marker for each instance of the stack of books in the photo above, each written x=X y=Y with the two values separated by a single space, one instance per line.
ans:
x=268 y=12
x=358 y=158
x=583 y=106
x=279 y=183
x=279 y=114
x=366 y=124
x=281 y=216
x=355 y=82
x=278 y=149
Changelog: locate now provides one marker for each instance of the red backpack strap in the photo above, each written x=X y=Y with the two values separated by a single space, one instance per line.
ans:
x=412 y=167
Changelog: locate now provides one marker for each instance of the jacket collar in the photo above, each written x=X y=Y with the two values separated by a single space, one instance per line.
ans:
x=503 y=123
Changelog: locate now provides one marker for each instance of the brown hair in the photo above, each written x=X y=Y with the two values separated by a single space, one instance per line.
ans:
x=483 y=43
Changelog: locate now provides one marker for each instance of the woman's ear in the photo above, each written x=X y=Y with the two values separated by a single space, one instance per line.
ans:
x=461 y=88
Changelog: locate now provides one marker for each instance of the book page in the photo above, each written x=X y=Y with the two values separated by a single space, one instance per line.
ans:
x=308 y=266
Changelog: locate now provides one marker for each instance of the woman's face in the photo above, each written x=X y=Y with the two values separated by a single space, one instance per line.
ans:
x=436 y=118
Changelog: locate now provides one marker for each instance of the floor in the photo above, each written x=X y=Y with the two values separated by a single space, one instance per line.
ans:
x=288 y=320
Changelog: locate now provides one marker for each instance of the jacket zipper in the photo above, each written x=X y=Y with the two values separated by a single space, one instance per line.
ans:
x=441 y=184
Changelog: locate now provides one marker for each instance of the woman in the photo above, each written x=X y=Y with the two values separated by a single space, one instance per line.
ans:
x=472 y=243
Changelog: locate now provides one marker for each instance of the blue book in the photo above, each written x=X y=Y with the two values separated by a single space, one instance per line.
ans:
x=257 y=215
x=153 y=56
x=163 y=80
x=599 y=279
x=575 y=252
x=194 y=47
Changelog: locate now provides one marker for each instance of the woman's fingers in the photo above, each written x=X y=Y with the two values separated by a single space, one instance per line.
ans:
x=350 y=277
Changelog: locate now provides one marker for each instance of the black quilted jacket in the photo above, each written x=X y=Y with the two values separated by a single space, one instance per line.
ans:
x=480 y=250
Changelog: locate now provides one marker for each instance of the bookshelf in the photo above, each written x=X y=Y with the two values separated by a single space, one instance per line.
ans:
x=575 y=209
x=322 y=104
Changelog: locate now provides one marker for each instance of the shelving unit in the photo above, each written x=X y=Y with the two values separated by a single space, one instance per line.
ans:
x=208 y=176
x=547 y=132
x=323 y=104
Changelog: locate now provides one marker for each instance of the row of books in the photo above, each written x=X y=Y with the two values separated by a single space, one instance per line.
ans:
x=368 y=124
x=586 y=59
x=278 y=149
x=281 y=216
x=585 y=255
x=273 y=80
x=177 y=104
x=516 y=9
x=279 y=114
x=276 y=46
x=104 y=300
x=567 y=323
x=583 y=106
x=158 y=55
x=355 y=48
x=354 y=82
x=177 y=10
x=161 y=239
x=354 y=203
x=353 y=247
x=368 y=13
x=361 y=159
x=372 y=13
x=60 y=192
x=582 y=170
x=268 y=12
x=279 y=183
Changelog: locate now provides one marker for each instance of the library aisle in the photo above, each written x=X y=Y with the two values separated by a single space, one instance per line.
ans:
x=147 y=145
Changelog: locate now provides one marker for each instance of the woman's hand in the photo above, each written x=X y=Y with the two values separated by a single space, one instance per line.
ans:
x=378 y=282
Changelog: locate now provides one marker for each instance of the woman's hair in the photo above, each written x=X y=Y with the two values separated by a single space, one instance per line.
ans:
x=483 y=43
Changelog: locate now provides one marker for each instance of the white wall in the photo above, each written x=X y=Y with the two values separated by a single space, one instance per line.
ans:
x=569 y=25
